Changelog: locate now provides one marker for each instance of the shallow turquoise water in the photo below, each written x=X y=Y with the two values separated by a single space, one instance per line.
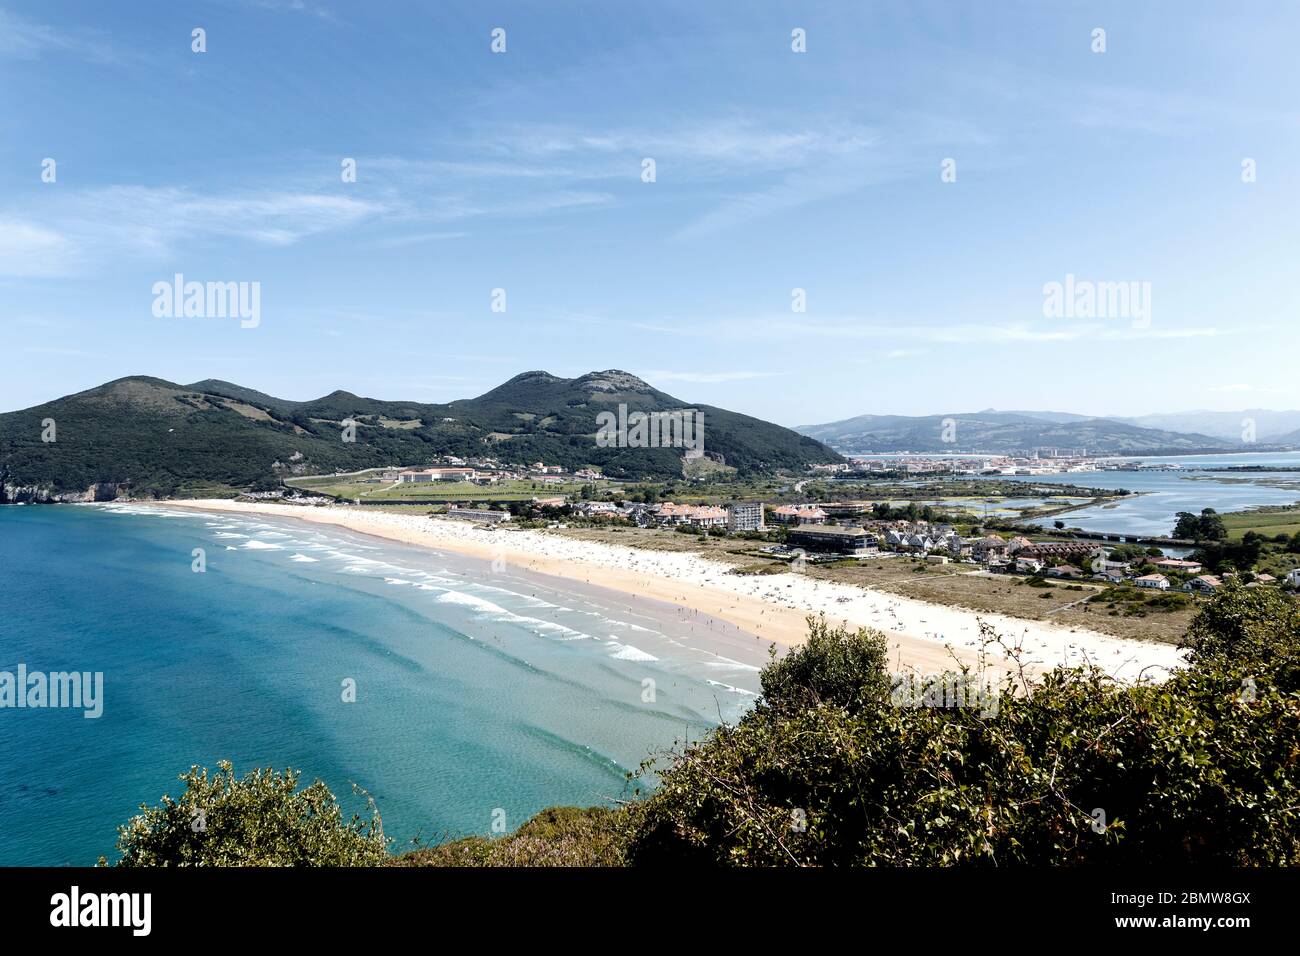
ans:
x=477 y=690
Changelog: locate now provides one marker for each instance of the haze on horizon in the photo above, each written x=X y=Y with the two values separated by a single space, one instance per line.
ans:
x=820 y=171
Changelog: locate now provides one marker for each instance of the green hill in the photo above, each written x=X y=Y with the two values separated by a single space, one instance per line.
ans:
x=155 y=437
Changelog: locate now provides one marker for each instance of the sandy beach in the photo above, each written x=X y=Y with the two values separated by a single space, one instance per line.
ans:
x=774 y=608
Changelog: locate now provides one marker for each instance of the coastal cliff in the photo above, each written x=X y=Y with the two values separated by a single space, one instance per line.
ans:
x=13 y=494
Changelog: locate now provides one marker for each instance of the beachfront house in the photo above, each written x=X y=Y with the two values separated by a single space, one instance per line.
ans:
x=1028 y=565
x=798 y=515
x=707 y=516
x=1157 y=582
x=1178 y=564
x=696 y=516
x=988 y=548
x=1293 y=578
x=1204 y=584
x=670 y=513
x=1080 y=551
x=1017 y=543
x=1064 y=571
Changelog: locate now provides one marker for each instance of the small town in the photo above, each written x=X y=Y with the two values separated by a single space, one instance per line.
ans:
x=817 y=533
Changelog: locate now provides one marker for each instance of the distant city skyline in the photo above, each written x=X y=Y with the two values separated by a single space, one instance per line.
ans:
x=936 y=208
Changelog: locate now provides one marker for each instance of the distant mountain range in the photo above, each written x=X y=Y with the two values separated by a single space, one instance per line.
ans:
x=1270 y=426
x=157 y=437
x=1012 y=432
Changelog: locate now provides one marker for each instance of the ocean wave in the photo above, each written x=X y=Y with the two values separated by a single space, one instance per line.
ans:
x=254 y=545
x=469 y=600
x=729 y=664
x=551 y=627
x=732 y=689
x=149 y=512
x=496 y=612
x=626 y=652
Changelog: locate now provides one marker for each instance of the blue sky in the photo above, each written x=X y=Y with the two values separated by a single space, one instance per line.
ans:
x=775 y=170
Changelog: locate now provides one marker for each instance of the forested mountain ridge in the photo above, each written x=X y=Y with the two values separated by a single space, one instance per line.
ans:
x=154 y=437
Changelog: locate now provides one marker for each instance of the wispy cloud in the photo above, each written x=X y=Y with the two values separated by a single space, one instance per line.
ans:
x=702 y=146
x=27 y=249
x=82 y=230
x=417 y=238
x=763 y=163
x=78 y=231
x=903 y=353
x=28 y=40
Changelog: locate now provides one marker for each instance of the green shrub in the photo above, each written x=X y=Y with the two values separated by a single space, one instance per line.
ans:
x=558 y=836
x=261 y=819
x=1077 y=768
x=833 y=667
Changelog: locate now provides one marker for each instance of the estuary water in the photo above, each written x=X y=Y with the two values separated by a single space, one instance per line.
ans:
x=1201 y=481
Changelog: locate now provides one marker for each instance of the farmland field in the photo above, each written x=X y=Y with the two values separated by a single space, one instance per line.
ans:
x=524 y=490
x=1266 y=521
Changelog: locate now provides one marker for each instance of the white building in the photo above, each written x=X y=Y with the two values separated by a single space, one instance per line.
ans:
x=438 y=474
x=745 y=516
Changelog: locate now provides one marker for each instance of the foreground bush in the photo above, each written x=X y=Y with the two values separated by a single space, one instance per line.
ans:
x=261 y=819
x=1074 y=769
x=558 y=836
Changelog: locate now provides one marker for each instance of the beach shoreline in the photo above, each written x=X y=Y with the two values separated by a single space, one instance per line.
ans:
x=925 y=637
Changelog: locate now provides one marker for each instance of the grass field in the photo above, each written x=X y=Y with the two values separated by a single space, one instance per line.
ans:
x=524 y=490
x=1266 y=521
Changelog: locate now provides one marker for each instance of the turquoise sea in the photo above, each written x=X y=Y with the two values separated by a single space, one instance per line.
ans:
x=477 y=689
